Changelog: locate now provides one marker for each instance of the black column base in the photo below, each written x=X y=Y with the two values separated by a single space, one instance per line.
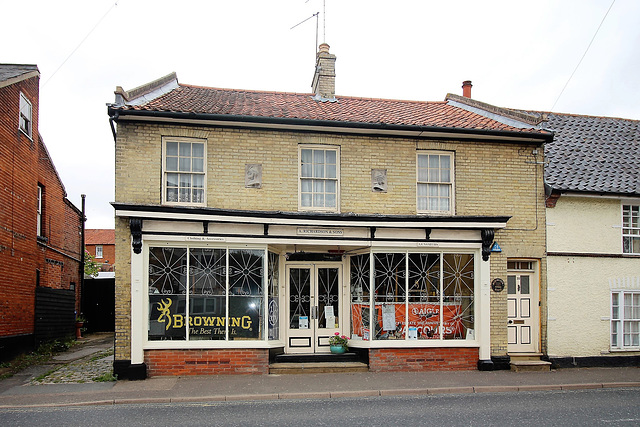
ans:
x=125 y=370
x=485 y=365
x=501 y=363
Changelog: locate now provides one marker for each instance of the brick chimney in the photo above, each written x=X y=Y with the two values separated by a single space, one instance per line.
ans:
x=324 y=78
x=466 y=88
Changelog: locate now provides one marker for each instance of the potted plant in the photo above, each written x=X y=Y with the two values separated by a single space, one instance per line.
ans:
x=338 y=343
x=80 y=320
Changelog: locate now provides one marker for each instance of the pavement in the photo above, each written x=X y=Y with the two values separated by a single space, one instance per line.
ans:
x=77 y=377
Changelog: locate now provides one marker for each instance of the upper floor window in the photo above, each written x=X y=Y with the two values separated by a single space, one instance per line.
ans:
x=39 y=211
x=631 y=229
x=25 y=115
x=184 y=171
x=319 y=178
x=435 y=182
x=98 y=251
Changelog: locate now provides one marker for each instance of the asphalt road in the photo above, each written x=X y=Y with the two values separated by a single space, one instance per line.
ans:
x=604 y=407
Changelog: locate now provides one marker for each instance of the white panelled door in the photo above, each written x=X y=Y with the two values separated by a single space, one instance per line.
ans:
x=522 y=313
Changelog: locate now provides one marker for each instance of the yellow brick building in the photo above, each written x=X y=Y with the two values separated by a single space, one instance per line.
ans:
x=255 y=225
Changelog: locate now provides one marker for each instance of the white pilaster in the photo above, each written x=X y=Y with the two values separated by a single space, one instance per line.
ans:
x=138 y=311
x=485 y=310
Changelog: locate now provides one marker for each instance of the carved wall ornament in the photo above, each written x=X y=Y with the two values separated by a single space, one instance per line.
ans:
x=379 y=180
x=253 y=176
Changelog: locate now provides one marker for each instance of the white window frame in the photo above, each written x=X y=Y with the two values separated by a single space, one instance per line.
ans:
x=99 y=253
x=450 y=183
x=325 y=148
x=25 y=116
x=625 y=320
x=630 y=232
x=39 y=227
x=143 y=313
x=165 y=171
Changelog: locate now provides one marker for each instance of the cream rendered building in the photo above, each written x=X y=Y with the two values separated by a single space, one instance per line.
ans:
x=593 y=240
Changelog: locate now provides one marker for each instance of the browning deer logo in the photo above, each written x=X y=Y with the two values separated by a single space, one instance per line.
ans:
x=165 y=316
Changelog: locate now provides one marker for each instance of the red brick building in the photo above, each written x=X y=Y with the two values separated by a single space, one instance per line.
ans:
x=101 y=244
x=40 y=229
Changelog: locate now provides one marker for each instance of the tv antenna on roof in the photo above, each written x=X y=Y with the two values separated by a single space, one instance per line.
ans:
x=324 y=24
x=302 y=22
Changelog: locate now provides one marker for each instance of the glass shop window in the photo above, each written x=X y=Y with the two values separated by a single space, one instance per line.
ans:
x=417 y=296
x=226 y=295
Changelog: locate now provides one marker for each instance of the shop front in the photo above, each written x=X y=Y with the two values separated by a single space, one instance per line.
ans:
x=217 y=293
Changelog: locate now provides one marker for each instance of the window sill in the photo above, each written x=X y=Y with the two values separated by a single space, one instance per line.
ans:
x=42 y=239
x=625 y=350
x=26 y=134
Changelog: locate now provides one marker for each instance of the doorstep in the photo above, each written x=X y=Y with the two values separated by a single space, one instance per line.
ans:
x=317 y=367
x=528 y=362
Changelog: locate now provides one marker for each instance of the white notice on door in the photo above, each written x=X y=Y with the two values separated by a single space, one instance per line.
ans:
x=303 y=322
x=389 y=317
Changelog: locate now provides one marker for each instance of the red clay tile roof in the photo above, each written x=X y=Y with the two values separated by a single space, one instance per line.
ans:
x=206 y=100
x=99 y=237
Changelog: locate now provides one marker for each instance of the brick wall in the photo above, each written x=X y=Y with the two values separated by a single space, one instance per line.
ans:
x=206 y=362
x=24 y=163
x=18 y=195
x=491 y=178
x=108 y=256
x=422 y=359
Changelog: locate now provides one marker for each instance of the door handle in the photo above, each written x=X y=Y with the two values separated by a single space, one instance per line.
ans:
x=510 y=322
x=314 y=312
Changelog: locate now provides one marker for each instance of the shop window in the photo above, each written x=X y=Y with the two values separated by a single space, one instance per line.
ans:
x=417 y=296
x=435 y=182
x=360 y=296
x=273 y=281
x=184 y=171
x=389 y=298
x=625 y=320
x=25 y=115
x=424 y=295
x=457 y=290
x=319 y=176
x=225 y=294
x=167 y=293
x=631 y=229
x=246 y=296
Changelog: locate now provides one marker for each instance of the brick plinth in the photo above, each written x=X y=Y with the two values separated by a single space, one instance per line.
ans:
x=422 y=359
x=206 y=362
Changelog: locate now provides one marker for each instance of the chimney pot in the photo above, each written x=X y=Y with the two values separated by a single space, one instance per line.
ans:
x=466 y=88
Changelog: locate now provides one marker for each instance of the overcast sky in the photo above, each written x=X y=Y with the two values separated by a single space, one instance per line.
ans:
x=518 y=54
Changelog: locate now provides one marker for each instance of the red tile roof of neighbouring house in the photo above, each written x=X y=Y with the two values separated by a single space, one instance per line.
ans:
x=200 y=101
x=99 y=236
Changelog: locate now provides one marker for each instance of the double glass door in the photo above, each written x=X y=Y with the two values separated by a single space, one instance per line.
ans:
x=313 y=309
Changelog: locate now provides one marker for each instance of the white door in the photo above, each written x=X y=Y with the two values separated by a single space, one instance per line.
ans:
x=313 y=309
x=522 y=313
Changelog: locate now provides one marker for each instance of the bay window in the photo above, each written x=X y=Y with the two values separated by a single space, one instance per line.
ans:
x=415 y=296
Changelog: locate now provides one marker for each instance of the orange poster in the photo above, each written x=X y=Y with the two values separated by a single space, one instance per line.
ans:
x=425 y=317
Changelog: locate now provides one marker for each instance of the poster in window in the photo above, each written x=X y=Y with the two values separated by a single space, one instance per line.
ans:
x=388 y=317
x=303 y=322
